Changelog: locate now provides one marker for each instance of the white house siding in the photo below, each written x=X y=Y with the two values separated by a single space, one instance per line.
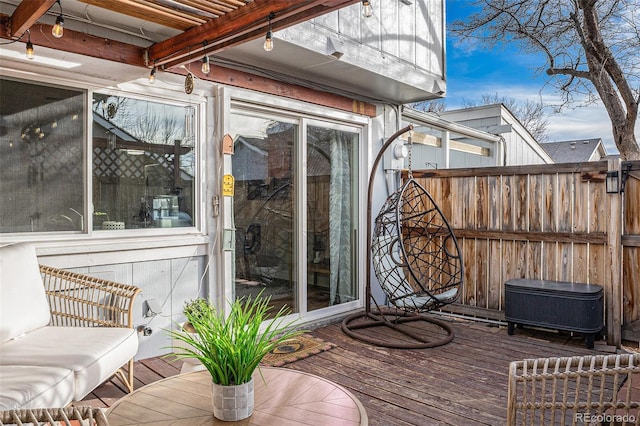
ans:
x=397 y=54
x=520 y=147
x=171 y=275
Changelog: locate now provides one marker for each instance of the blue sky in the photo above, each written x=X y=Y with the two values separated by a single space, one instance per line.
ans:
x=472 y=72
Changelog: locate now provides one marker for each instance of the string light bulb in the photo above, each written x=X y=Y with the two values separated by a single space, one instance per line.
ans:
x=206 y=66
x=367 y=10
x=152 y=75
x=29 y=50
x=268 y=40
x=58 y=28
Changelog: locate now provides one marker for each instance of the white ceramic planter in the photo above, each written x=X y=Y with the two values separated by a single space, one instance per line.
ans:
x=232 y=403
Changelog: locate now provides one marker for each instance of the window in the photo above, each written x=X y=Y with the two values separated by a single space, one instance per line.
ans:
x=41 y=158
x=143 y=163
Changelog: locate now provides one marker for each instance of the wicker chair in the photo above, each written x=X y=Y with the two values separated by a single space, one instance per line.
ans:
x=78 y=300
x=62 y=333
x=575 y=390
x=83 y=416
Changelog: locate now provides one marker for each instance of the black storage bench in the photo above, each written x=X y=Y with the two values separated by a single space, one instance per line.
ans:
x=555 y=304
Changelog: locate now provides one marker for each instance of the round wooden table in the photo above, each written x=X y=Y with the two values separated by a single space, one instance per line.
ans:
x=284 y=397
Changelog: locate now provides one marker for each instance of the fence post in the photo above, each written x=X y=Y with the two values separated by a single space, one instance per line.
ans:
x=614 y=293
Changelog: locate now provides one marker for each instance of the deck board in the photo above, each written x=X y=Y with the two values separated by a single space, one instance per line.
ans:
x=461 y=383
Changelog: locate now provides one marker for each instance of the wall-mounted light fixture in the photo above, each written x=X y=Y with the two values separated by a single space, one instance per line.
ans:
x=367 y=10
x=612 y=182
x=268 y=40
x=152 y=75
x=29 y=49
x=58 y=28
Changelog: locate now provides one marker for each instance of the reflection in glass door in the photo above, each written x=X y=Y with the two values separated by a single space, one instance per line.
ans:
x=331 y=179
x=264 y=205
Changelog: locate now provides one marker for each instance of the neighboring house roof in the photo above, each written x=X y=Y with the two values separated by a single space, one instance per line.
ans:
x=575 y=151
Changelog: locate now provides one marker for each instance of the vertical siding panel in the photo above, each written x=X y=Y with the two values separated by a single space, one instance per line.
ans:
x=495 y=202
x=482 y=200
x=565 y=203
x=535 y=203
x=549 y=219
x=564 y=265
x=581 y=205
x=631 y=284
x=495 y=286
x=389 y=27
x=185 y=280
x=495 y=273
x=580 y=263
x=598 y=217
x=407 y=31
x=470 y=202
x=632 y=206
x=507 y=203
x=155 y=278
x=482 y=269
x=470 y=273
x=598 y=271
x=520 y=202
x=631 y=255
x=534 y=260
x=458 y=200
x=550 y=262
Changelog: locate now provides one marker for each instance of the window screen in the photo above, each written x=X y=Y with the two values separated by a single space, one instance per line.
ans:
x=41 y=158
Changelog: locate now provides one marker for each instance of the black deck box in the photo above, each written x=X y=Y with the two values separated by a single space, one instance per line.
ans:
x=555 y=304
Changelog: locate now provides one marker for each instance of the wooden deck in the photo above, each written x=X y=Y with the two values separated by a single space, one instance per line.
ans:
x=461 y=383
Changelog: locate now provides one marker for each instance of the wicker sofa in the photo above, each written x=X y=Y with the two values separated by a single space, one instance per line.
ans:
x=62 y=334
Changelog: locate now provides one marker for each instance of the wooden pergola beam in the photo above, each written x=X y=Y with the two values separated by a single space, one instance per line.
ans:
x=26 y=14
x=244 y=24
x=83 y=44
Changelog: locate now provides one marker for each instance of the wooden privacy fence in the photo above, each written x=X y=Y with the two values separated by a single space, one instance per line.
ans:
x=551 y=222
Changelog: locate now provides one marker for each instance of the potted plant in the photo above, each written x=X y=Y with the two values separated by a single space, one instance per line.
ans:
x=231 y=348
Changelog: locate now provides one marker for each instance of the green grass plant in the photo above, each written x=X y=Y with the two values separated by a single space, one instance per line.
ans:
x=231 y=348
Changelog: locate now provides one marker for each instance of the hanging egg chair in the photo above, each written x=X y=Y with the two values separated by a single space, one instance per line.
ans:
x=417 y=262
x=415 y=255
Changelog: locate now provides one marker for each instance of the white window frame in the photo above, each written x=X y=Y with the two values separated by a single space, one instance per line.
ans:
x=57 y=243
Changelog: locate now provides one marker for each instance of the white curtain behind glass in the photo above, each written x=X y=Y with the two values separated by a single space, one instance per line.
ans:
x=340 y=218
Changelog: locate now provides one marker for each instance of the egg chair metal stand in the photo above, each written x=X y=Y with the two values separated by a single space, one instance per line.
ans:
x=417 y=262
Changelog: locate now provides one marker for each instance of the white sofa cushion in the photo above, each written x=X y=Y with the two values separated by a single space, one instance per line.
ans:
x=93 y=353
x=23 y=302
x=27 y=386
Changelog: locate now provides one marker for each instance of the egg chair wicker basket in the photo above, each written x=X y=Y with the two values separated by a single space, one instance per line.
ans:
x=418 y=265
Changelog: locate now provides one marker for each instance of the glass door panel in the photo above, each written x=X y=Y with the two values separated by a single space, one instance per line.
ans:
x=264 y=208
x=331 y=182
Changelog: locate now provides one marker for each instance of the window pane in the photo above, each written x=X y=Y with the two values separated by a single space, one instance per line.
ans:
x=331 y=216
x=263 y=166
x=143 y=163
x=41 y=158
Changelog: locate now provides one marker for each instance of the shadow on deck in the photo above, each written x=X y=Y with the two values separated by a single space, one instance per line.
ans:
x=461 y=383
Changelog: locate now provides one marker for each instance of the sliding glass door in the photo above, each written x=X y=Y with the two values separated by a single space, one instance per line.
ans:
x=295 y=209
